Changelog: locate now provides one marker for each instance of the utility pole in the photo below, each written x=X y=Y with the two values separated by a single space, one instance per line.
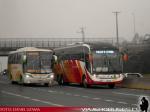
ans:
x=134 y=23
x=0 y=67
x=116 y=13
x=83 y=34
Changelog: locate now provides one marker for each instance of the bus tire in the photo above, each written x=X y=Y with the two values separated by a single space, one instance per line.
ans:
x=13 y=82
x=84 y=82
x=21 y=80
x=46 y=84
x=111 y=86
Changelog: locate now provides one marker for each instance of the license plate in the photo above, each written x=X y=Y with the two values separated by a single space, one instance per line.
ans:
x=40 y=80
x=108 y=80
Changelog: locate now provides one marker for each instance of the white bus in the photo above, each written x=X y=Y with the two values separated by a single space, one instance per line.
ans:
x=88 y=64
x=30 y=65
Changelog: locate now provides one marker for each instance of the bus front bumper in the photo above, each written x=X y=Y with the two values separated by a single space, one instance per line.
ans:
x=104 y=83
x=29 y=78
x=38 y=81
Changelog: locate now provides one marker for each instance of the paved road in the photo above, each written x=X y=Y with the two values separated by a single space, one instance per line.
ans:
x=19 y=95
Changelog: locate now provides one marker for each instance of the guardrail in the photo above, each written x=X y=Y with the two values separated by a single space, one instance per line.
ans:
x=46 y=42
x=136 y=83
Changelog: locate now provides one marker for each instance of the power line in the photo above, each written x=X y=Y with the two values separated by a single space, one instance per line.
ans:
x=134 y=28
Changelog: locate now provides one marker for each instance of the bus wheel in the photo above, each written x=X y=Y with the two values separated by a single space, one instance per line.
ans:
x=111 y=86
x=21 y=80
x=84 y=82
x=13 y=82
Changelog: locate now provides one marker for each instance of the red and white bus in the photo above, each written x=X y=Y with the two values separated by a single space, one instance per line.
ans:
x=88 y=64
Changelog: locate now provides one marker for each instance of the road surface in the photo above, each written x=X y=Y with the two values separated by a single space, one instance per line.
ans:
x=72 y=95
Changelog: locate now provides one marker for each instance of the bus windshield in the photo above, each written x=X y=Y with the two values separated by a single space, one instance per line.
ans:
x=39 y=62
x=106 y=61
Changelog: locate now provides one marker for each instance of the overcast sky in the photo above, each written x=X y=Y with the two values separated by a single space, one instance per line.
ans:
x=63 y=18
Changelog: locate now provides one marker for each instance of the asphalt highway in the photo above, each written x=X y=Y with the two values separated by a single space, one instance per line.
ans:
x=70 y=95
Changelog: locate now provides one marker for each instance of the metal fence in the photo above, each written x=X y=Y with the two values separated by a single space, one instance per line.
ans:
x=13 y=43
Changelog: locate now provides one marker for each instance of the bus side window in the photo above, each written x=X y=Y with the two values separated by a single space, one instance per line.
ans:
x=66 y=57
x=19 y=58
x=16 y=57
x=13 y=58
x=10 y=59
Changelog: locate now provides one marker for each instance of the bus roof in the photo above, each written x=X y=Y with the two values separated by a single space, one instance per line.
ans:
x=29 y=49
x=78 y=47
x=100 y=45
x=73 y=48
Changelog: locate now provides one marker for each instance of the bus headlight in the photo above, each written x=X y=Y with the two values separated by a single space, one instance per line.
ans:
x=28 y=76
x=51 y=76
x=94 y=76
x=117 y=76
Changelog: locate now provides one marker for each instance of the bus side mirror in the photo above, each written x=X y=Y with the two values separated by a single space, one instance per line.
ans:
x=54 y=58
x=125 y=57
x=24 y=59
x=53 y=61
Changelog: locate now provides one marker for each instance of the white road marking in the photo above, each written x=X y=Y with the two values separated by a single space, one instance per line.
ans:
x=109 y=100
x=122 y=102
x=50 y=91
x=76 y=95
x=68 y=94
x=85 y=96
x=36 y=100
x=96 y=98
x=134 y=104
x=129 y=94
x=26 y=97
